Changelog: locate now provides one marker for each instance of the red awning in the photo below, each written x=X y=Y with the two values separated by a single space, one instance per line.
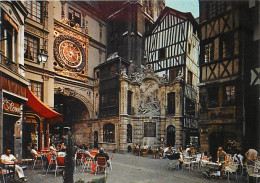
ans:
x=42 y=109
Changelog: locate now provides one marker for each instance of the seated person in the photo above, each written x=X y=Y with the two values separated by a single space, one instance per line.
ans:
x=251 y=157
x=169 y=150
x=58 y=148
x=160 y=150
x=188 y=149
x=63 y=147
x=34 y=151
x=179 y=151
x=192 y=151
x=8 y=158
x=205 y=156
x=145 y=146
x=165 y=150
x=101 y=153
x=53 y=152
x=86 y=152
x=80 y=149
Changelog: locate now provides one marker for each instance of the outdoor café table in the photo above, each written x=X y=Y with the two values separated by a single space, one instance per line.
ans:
x=173 y=156
x=188 y=158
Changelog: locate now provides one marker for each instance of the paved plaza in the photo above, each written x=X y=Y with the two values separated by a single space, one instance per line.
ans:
x=128 y=168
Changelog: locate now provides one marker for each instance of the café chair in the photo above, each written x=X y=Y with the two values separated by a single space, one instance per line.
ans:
x=101 y=163
x=50 y=161
x=60 y=163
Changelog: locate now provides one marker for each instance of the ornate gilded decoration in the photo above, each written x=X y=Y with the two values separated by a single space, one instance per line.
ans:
x=71 y=23
x=69 y=53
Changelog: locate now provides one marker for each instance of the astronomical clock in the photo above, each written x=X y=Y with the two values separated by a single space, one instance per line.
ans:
x=70 y=51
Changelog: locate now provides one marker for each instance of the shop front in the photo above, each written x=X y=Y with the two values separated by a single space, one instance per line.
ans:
x=36 y=126
x=13 y=97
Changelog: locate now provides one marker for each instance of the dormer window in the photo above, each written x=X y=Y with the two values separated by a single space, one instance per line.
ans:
x=75 y=16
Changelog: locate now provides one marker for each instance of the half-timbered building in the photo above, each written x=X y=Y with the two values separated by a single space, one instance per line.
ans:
x=172 y=48
x=224 y=60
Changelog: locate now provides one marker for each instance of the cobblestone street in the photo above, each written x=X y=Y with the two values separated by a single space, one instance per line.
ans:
x=131 y=169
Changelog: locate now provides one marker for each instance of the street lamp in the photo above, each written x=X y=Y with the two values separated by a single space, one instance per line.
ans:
x=43 y=56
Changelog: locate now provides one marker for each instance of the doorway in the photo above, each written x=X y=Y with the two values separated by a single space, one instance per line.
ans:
x=8 y=132
x=171 y=135
x=216 y=139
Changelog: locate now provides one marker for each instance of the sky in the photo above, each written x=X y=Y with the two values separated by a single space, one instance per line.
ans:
x=185 y=6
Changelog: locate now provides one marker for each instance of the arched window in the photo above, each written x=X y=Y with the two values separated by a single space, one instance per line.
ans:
x=129 y=133
x=109 y=132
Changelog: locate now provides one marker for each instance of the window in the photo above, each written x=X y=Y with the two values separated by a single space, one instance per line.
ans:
x=149 y=129
x=190 y=106
x=109 y=132
x=36 y=88
x=35 y=10
x=129 y=102
x=213 y=97
x=8 y=37
x=129 y=133
x=229 y=95
x=75 y=16
x=171 y=103
x=189 y=78
x=216 y=8
x=161 y=53
x=227 y=45
x=189 y=48
x=31 y=47
x=209 y=52
x=174 y=73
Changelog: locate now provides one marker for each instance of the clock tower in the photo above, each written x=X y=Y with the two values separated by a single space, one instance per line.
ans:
x=70 y=51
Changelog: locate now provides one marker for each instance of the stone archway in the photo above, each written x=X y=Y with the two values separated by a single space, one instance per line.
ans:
x=69 y=92
x=77 y=111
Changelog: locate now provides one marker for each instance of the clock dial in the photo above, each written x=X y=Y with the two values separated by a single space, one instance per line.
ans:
x=69 y=53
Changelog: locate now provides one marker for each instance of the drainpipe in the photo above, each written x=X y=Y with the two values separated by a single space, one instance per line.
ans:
x=243 y=85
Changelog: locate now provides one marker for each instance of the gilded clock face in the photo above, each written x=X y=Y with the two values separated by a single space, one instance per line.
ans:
x=69 y=53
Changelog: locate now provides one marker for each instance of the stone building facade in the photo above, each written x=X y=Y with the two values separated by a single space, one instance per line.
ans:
x=141 y=116
x=83 y=42
x=65 y=82
x=12 y=78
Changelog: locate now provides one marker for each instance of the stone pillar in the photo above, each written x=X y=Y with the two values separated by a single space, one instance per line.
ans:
x=178 y=99
x=123 y=133
x=178 y=132
x=163 y=137
x=123 y=96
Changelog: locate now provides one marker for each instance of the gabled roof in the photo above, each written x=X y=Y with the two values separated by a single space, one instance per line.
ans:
x=169 y=11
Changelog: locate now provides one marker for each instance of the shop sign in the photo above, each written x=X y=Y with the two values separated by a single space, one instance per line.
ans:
x=11 y=107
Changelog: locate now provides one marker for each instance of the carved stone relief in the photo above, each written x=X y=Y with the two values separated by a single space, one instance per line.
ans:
x=149 y=103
